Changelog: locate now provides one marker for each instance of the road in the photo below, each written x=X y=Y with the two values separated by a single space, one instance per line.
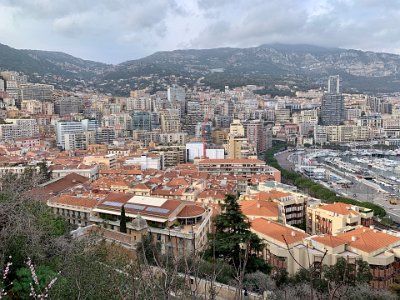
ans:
x=282 y=158
x=358 y=190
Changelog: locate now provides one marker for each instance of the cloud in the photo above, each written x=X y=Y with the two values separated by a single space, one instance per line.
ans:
x=118 y=30
x=72 y=25
x=363 y=24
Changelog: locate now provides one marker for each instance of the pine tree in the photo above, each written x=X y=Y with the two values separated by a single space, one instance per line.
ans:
x=122 y=222
x=44 y=172
x=232 y=235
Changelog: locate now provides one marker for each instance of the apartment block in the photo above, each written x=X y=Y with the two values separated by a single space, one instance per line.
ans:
x=36 y=91
x=177 y=226
x=241 y=167
x=336 y=218
x=291 y=249
x=18 y=128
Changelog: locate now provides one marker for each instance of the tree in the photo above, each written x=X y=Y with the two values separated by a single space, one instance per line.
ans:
x=122 y=222
x=336 y=281
x=232 y=237
x=44 y=172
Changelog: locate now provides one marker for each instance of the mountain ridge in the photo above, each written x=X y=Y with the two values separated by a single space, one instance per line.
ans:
x=361 y=70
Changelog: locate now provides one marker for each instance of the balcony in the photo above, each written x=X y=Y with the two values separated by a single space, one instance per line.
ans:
x=382 y=259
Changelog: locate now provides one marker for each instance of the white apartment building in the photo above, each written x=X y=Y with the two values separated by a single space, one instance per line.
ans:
x=18 y=128
x=146 y=161
x=306 y=116
x=67 y=128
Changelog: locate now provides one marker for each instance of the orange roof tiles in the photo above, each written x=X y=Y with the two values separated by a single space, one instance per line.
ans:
x=330 y=241
x=191 y=210
x=368 y=240
x=259 y=208
x=263 y=196
x=118 y=197
x=338 y=207
x=215 y=194
x=277 y=231
x=178 y=182
x=85 y=202
x=274 y=194
x=120 y=172
x=141 y=186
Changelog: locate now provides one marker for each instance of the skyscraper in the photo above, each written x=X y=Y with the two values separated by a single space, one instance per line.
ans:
x=334 y=84
x=332 y=103
x=176 y=93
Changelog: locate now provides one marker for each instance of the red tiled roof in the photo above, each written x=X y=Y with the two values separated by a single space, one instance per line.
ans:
x=215 y=194
x=329 y=240
x=75 y=201
x=277 y=231
x=259 y=208
x=338 y=207
x=141 y=186
x=191 y=210
x=367 y=239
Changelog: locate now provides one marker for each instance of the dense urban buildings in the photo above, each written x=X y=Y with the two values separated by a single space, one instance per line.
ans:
x=169 y=158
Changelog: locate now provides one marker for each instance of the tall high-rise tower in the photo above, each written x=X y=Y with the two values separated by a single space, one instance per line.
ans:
x=332 y=103
x=176 y=93
x=334 y=84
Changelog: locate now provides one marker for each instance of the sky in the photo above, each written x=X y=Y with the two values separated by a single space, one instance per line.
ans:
x=114 y=31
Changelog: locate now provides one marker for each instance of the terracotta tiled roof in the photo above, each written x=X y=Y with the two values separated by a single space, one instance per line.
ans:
x=118 y=197
x=256 y=178
x=277 y=231
x=178 y=182
x=53 y=188
x=329 y=240
x=215 y=194
x=65 y=182
x=191 y=210
x=141 y=186
x=274 y=194
x=75 y=201
x=338 y=207
x=154 y=180
x=120 y=171
x=259 y=208
x=368 y=240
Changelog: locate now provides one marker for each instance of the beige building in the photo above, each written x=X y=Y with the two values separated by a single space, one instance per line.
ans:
x=32 y=106
x=108 y=161
x=238 y=144
x=290 y=248
x=236 y=128
x=178 y=226
x=218 y=136
x=241 y=167
x=391 y=125
x=239 y=147
x=73 y=208
x=347 y=133
x=336 y=218
x=170 y=121
x=291 y=206
x=306 y=116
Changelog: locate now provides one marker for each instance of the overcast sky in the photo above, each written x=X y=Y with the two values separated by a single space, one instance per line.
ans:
x=117 y=30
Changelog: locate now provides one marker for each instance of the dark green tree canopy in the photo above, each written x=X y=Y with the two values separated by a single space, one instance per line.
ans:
x=232 y=237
